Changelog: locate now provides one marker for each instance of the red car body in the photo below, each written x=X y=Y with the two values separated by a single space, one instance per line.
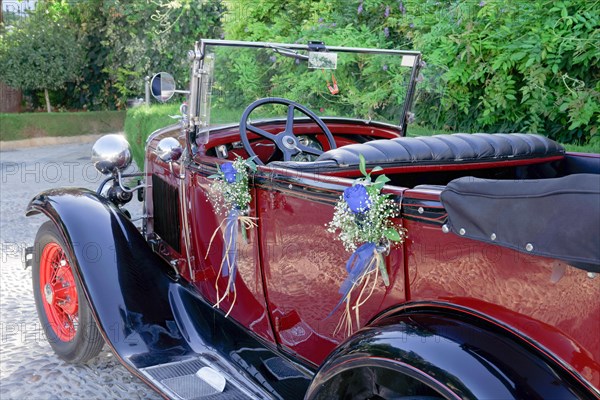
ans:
x=536 y=297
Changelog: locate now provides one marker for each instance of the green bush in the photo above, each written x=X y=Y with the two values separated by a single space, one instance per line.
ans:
x=492 y=65
x=32 y=125
x=41 y=52
x=142 y=121
x=592 y=147
x=515 y=66
x=119 y=43
x=146 y=37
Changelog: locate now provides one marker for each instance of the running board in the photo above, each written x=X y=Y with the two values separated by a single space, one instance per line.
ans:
x=179 y=380
x=218 y=359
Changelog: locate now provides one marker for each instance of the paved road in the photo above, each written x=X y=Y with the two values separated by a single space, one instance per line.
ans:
x=28 y=367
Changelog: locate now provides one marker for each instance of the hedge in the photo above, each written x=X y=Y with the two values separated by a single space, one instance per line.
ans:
x=142 y=121
x=32 y=125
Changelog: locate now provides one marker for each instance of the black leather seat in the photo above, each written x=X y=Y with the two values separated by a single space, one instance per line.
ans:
x=443 y=149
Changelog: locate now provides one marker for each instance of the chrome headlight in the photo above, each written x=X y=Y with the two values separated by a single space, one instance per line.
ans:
x=169 y=149
x=111 y=153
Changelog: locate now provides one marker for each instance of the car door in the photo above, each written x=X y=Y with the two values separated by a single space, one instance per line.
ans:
x=247 y=304
x=304 y=264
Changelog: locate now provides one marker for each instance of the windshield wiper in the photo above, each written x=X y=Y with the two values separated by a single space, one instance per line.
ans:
x=289 y=53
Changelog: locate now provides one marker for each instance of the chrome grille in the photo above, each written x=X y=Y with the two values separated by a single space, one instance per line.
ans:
x=165 y=201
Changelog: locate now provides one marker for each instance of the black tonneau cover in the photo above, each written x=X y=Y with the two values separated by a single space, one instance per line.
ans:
x=557 y=218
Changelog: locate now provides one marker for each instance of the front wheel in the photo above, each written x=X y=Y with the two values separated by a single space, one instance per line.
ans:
x=61 y=305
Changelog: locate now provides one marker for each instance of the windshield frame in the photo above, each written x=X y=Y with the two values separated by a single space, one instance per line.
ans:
x=201 y=76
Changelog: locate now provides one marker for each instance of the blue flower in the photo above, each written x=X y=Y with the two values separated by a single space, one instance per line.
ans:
x=360 y=8
x=229 y=171
x=401 y=8
x=387 y=11
x=357 y=198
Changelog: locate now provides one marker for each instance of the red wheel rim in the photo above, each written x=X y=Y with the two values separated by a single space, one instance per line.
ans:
x=59 y=292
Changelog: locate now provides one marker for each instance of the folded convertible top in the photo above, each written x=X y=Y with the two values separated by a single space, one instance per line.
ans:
x=557 y=218
x=444 y=149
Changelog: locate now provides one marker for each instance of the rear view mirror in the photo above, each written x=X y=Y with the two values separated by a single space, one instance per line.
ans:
x=162 y=86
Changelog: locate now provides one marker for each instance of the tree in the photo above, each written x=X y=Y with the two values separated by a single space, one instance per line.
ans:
x=41 y=52
x=149 y=37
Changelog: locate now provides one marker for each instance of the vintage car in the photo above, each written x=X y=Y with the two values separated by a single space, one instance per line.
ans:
x=295 y=243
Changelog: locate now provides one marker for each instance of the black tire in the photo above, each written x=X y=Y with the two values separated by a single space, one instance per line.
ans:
x=77 y=339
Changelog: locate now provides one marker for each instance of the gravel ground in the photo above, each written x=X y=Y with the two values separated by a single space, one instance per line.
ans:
x=28 y=367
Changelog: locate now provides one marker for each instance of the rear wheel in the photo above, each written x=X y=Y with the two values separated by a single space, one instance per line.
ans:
x=62 y=308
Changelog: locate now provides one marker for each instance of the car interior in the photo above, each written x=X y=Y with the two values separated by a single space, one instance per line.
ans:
x=407 y=161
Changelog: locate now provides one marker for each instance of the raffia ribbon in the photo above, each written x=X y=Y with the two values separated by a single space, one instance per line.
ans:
x=228 y=266
x=365 y=262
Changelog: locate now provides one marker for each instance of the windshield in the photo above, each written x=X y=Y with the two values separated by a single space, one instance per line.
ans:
x=333 y=82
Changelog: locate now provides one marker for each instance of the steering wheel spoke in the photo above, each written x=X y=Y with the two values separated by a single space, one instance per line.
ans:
x=285 y=141
x=287 y=155
x=261 y=132
x=309 y=150
x=289 y=122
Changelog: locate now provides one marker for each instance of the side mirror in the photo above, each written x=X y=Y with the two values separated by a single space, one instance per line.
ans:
x=169 y=150
x=162 y=86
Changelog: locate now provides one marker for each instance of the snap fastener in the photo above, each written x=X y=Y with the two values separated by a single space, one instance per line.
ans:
x=529 y=247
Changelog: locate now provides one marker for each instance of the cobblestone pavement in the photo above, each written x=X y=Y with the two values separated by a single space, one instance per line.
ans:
x=28 y=367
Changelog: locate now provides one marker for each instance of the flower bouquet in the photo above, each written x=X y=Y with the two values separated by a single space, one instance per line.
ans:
x=363 y=220
x=230 y=195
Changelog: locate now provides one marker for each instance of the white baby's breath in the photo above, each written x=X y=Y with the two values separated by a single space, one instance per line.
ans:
x=373 y=225
x=370 y=226
x=227 y=196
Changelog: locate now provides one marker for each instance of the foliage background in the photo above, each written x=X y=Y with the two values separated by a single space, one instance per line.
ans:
x=142 y=121
x=119 y=42
x=492 y=65
x=41 y=52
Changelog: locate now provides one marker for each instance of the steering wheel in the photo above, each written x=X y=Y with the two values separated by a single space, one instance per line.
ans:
x=286 y=141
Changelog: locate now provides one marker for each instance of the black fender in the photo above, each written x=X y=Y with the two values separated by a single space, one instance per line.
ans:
x=145 y=312
x=126 y=284
x=459 y=356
